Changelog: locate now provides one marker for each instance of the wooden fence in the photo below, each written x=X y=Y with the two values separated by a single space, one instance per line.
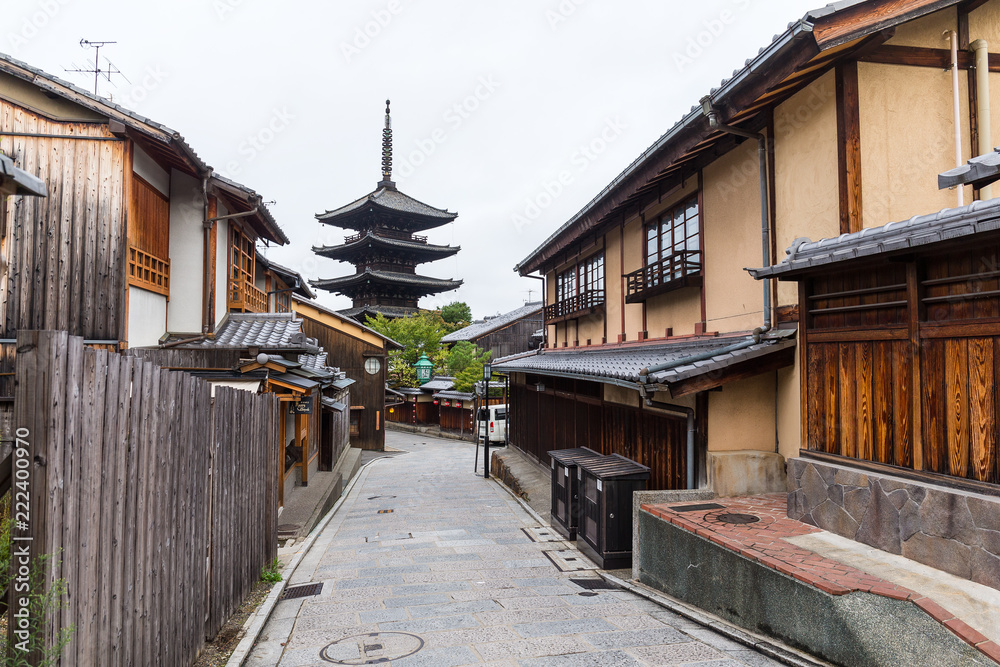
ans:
x=160 y=507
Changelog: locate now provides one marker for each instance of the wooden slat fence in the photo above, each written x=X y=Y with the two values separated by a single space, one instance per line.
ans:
x=160 y=506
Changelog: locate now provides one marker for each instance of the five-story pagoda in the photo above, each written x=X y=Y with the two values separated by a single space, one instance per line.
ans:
x=384 y=248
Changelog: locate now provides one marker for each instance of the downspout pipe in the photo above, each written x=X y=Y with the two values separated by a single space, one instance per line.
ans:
x=689 y=413
x=981 y=49
x=957 y=109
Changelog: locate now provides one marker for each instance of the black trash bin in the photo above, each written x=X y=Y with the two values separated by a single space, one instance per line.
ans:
x=604 y=531
x=565 y=485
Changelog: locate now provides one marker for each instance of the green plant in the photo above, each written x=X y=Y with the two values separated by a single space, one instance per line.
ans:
x=37 y=642
x=271 y=573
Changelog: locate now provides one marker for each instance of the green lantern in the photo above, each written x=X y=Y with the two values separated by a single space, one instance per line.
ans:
x=424 y=367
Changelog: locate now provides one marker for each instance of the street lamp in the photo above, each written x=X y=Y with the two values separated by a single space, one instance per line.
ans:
x=424 y=367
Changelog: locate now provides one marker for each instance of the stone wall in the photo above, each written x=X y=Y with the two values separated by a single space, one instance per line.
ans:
x=948 y=529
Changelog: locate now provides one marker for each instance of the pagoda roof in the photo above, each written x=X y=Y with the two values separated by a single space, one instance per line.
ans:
x=424 y=284
x=373 y=239
x=391 y=312
x=387 y=199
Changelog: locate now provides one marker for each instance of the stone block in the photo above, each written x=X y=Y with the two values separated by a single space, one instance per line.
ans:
x=909 y=520
x=746 y=473
x=813 y=487
x=856 y=502
x=836 y=493
x=827 y=472
x=985 y=568
x=897 y=497
x=944 y=554
x=830 y=516
x=946 y=514
x=880 y=525
x=797 y=504
x=846 y=477
x=985 y=512
x=889 y=485
x=990 y=541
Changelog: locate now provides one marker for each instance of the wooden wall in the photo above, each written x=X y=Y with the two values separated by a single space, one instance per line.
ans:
x=66 y=252
x=565 y=416
x=512 y=339
x=902 y=362
x=349 y=354
x=160 y=508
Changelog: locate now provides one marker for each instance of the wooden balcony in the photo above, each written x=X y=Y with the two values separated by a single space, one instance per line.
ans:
x=586 y=303
x=389 y=234
x=148 y=271
x=246 y=298
x=675 y=272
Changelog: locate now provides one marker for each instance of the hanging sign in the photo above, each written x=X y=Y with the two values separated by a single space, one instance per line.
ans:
x=303 y=406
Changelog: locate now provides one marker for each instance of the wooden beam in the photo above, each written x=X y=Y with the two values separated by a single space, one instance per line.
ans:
x=866 y=18
x=849 y=147
x=916 y=387
x=738 y=371
x=212 y=268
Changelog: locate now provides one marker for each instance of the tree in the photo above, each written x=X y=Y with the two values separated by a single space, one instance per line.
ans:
x=457 y=313
x=465 y=362
x=418 y=334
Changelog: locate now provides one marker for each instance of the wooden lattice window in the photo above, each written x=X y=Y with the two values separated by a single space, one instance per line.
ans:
x=241 y=256
x=149 y=238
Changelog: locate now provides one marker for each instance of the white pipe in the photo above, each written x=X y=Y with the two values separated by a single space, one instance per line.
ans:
x=982 y=52
x=957 y=109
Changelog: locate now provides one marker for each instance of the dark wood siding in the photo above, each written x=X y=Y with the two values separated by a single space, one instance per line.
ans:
x=349 y=354
x=66 y=252
x=512 y=339
x=902 y=360
x=565 y=416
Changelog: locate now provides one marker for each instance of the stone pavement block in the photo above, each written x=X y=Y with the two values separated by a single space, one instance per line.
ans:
x=383 y=615
x=526 y=616
x=421 y=589
x=673 y=654
x=445 y=558
x=533 y=602
x=301 y=658
x=533 y=648
x=454 y=608
x=372 y=582
x=754 y=659
x=439 y=657
x=470 y=636
x=576 y=626
x=430 y=624
x=651 y=637
x=326 y=621
x=415 y=600
x=713 y=638
x=637 y=622
x=324 y=608
x=386 y=571
x=610 y=609
x=604 y=659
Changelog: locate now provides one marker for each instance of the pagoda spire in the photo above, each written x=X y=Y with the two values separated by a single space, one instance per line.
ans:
x=386 y=181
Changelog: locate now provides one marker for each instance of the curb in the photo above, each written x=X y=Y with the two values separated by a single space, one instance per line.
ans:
x=255 y=624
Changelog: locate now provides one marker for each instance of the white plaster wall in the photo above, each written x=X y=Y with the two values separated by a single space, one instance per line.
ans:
x=221 y=265
x=186 y=253
x=151 y=172
x=147 y=317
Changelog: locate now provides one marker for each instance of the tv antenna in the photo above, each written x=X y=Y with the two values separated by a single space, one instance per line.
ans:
x=107 y=72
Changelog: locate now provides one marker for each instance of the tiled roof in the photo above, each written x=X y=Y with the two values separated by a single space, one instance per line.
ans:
x=315 y=362
x=341 y=315
x=372 y=238
x=624 y=364
x=978 y=171
x=387 y=277
x=457 y=395
x=391 y=199
x=264 y=330
x=975 y=218
x=439 y=384
x=483 y=327
x=294 y=278
x=387 y=311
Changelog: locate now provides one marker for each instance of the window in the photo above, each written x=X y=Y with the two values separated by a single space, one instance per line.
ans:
x=566 y=285
x=591 y=274
x=673 y=242
x=578 y=288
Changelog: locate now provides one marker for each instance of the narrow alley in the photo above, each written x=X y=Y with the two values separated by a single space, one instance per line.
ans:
x=426 y=563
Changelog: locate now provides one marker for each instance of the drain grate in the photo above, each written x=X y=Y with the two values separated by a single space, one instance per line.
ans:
x=737 y=518
x=304 y=591
x=383 y=497
x=698 y=508
x=594 y=584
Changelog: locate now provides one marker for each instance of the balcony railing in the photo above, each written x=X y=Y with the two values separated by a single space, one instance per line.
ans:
x=246 y=298
x=389 y=234
x=681 y=269
x=581 y=304
x=148 y=271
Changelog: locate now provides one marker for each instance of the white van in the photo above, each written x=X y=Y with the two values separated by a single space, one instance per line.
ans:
x=493 y=420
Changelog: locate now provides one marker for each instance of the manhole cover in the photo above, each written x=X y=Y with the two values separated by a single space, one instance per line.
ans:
x=588 y=594
x=737 y=518
x=698 y=508
x=289 y=528
x=304 y=591
x=373 y=648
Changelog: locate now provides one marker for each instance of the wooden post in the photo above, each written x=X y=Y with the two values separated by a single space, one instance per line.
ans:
x=917 y=391
x=302 y=424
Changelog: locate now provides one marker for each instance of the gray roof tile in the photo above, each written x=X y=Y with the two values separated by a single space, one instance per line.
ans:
x=483 y=327
x=392 y=199
x=266 y=330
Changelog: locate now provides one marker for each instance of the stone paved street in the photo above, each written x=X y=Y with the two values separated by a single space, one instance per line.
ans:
x=449 y=577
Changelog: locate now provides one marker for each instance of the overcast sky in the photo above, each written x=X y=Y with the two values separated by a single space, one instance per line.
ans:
x=513 y=113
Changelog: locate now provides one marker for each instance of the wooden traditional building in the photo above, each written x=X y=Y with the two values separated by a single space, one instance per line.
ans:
x=518 y=331
x=659 y=347
x=385 y=249
x=362 y=354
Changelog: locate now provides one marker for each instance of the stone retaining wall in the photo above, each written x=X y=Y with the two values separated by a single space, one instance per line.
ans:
x=948 y=529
